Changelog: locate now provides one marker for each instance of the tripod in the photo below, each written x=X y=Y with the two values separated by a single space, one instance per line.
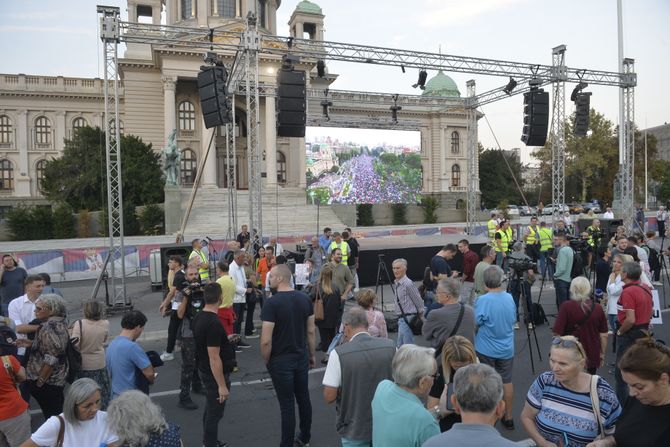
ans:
x=524 y=298
x=664 y=267
x=382 y=274
x=548 y=261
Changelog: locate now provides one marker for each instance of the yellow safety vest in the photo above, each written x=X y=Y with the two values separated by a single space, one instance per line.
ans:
x=344 y=247
x=493 y=226
x=203 y=272
x=590 y=240
x=505 y=239
x=546 y=237
x=531 y=235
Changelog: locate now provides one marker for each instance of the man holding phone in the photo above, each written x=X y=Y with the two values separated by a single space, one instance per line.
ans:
x=12 y=280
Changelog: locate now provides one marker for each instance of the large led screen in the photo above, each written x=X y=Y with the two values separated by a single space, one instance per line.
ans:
x=363 y=165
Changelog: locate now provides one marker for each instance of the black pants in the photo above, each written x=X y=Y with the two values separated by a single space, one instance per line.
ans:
x=49 y=397
x=239 y=317
x=213 y=408
x=326 y=334
x=189 y=370
x=289 y=375
x=173 y=330
x=251 y=307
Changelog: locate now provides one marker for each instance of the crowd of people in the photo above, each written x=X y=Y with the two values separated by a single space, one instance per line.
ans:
x=454 y=391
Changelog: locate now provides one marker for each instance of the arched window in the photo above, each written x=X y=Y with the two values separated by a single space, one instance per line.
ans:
x=78 y=123
x=189 y=167
x=223 y=8
x=40 y=167
x=5 y=130
x=455 y=142
x=455 y=175
x=281 y=167
x=6 y=175
x=460 y=204
x=186 y=116
x=187 y=9
x=42 y=130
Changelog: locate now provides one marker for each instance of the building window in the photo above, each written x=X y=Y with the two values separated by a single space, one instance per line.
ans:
x=6 y=175
x=40 y=167
x=460 y=204
x=455 y=142
x=223 y=8
x=260 y=8
x=455 y=175
x=187 y=9
x=78 y=123
x=112 y=127
x=4 y=210
x=42 y=130
x=189 y=167
x=186 y=116
x=281 y=167
x=5 y=130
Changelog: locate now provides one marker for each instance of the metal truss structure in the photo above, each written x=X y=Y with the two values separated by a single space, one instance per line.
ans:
x=231 y=178
x=244 y=79
x=627 y=134
x=473 y=164
x=558 y=130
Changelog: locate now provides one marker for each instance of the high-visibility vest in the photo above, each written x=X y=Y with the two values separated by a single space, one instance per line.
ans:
x=590 y=230
x=344 y=247
x=546 y=237
x=493 y=227
x=531 y=238
x=203 y=272
x=505 y=239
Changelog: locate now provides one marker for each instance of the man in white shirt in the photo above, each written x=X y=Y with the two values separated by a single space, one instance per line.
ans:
x=22 y=309
x=608 y=214
x=236 y=271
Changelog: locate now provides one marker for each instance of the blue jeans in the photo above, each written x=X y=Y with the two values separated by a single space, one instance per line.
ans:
x=355 y=443
x=545 y=266
x=612 y=319
x=405 y=335
x=562 y=292
x=290 y=380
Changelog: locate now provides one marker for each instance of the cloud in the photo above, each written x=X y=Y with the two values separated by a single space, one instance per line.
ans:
x=456 y=12
x=45 y=30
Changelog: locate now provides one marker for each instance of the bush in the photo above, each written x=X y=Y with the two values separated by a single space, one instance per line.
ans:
x=42 y=222
x=63 y=222
x=399 y=213
x=364 y=215
x=19 y=220
x=83 y=223
x=503 y=208
x=151 y=220
x=430 y=205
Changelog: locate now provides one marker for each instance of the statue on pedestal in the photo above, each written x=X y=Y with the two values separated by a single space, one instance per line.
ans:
x=172 y=161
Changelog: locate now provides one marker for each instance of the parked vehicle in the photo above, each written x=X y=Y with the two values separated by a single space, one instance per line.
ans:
x=576 y=208
x=591 y=206
x=513 y=211
x=549 y=209
x=525 y=210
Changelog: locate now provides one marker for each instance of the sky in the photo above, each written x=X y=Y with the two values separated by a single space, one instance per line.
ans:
x=47 y=37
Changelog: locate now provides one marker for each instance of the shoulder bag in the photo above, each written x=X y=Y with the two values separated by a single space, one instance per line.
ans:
x=318 y=306
x=595 y=406
x=415 y=322
x=61 y=432
x=575 y=327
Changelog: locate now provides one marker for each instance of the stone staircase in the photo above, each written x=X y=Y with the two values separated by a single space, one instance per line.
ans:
x=285 y=213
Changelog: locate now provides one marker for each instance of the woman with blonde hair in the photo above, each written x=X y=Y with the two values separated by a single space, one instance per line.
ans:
x=366 y=298
x=457 y=352
x=614 y=288
x=585 y=319
x=330 y=296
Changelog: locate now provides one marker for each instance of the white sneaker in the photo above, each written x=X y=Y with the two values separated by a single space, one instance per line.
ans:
x=165 y=356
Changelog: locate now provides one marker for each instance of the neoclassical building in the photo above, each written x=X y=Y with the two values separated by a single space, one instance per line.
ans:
x=159 y=94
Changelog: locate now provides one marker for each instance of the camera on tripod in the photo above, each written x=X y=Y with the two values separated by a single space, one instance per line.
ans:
x=521 y=265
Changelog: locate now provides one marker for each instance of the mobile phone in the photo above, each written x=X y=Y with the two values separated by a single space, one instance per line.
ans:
x=450 y=392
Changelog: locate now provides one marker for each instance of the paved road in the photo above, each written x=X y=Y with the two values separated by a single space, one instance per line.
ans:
x=252 y=415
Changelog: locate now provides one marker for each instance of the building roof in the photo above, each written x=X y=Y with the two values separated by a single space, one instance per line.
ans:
x=441 y=85
x=308 y=7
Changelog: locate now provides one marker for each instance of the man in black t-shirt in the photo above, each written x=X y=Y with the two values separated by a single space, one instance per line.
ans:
x=439 y=269
x=216 y=359
x=287 y=347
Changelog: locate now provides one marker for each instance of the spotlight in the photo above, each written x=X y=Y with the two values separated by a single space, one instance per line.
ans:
x=395 y=108
x=288 y=61
x=289 y=42
x=325 y=104
x=321 y=68
x=402 y=67
x=578 y=88
x=511 y=85
x=421 y=83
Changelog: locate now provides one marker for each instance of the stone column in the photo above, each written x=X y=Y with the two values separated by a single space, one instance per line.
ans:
x=209 y=168
x=98 y=121
x=169 y=105
x=201 y=12
x=270 y=142
x=60 y=131
x=299 y=31
x=23 y=140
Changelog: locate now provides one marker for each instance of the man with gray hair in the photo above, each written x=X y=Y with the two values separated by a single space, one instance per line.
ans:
x=478 y=392
x=488 y=255
x=316 y=254
x=453 y=318
x=495 y=315
x=354 y=370
x=408 y=303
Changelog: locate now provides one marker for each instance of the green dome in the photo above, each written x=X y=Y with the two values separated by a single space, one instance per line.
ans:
x=441 y=85
x=308 y=7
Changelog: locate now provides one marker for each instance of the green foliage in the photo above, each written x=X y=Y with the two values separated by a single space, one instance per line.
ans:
x=151 y=220
x=399 y=213
x=503 y=208
x=364 y=215
x=42 y=222
x=131 y=225
x=63 y=222
x=495 y=181
x=335 y=169
x=321 y=195
x=79 y=176
x=430 y=205
x=19 y=220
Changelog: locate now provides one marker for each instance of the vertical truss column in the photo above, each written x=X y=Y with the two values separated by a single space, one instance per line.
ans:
x=251 y=47
x=627 y=135
x=559 y=75
x=110 y=35
x=473 y=171
x=231 y=173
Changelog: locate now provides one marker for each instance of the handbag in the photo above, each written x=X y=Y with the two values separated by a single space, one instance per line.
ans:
x=318 y=306
x=73 y=356
x=415 y=323
x=595 y=405
x=61 y=432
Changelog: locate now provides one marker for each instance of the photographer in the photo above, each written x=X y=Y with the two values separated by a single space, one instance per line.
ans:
x=595 y=235
x=523 y=275
x=176 y=278
x=192 y=302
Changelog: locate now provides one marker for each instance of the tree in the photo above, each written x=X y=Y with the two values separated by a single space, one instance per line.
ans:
x=79 y=176
x=495 y=180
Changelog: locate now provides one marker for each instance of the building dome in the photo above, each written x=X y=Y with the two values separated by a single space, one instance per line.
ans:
x=308 y=7
x=441 y=85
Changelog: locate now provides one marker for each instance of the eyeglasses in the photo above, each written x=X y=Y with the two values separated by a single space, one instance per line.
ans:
x=38 y=309
x=569 y=344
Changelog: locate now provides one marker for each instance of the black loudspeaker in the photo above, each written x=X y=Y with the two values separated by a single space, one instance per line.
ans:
x=167 y=250
x=582 y=106
x=291 y=103
x=214 y=101
x=535 y=117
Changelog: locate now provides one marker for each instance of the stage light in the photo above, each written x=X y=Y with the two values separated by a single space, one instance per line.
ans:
x=289 y=42
x=325 y=104
x=578 y=88
x=421 y=83
x=511 y=85
x=394 y=109
x=321 y=68
x=288 y=61
x=402 y=67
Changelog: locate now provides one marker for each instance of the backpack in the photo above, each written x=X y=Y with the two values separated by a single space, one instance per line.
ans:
x=577 y=265
x=537 y=314
x=654 y=264
x=7 y=338
x=73 y=356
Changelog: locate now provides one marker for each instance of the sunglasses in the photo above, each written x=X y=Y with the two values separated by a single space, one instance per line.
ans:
x=569 y=344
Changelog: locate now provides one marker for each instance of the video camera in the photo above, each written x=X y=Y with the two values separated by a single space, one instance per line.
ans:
x=521 y=265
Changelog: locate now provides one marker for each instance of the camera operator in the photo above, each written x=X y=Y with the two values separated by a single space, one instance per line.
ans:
x=523 y=275
x=192 y=302
x=595 y=235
